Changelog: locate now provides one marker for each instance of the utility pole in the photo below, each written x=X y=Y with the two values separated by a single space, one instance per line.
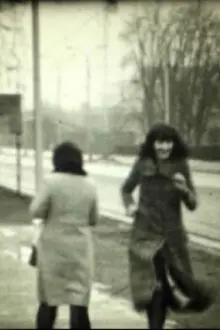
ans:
x=37 y=94
x=105 y=65
x=166 y=91
x=59 y=93
x=18 y=137
x=105 y=152
x=165 y=75
x=109 y=6
x=88 y=101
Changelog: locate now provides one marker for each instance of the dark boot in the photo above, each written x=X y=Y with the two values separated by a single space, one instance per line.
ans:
x=79 y=317
x=157 y=311
x=46 y=316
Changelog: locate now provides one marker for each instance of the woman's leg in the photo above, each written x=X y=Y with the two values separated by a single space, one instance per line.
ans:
x=46 y=316
x=157 y=309
x=79 y=317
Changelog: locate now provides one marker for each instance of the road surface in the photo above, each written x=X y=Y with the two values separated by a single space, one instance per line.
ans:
x=109 y=178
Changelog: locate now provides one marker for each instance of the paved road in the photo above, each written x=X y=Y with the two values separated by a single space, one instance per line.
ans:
x=109 y=178
x=110 y=170
x=197 y=165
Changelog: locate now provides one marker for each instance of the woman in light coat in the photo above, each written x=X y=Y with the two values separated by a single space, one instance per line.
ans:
x=67 y=203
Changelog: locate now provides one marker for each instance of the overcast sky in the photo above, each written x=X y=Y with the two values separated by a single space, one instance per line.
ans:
x=69 y=33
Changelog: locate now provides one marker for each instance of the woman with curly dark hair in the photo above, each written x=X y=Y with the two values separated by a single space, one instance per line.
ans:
x=161 y=274
x=67 y=204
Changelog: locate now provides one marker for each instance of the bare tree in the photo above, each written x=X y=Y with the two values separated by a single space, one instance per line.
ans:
x=195 y=70
x=4 y=30
x=10 y=36
x=186 y=39
x=145 y=36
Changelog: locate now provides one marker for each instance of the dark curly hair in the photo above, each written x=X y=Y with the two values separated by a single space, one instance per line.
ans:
x=68 y=158
x=163 y=132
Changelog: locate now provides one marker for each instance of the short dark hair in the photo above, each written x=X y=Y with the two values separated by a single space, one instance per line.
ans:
x=164 y=132
x=68 y=158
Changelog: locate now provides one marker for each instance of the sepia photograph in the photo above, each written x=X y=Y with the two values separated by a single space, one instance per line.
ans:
x=109 y=164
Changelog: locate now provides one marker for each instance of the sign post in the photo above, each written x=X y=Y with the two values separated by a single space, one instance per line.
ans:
x=18 y=163
x=10 y=106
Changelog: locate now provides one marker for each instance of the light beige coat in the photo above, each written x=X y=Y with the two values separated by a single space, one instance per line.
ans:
x=68 y=205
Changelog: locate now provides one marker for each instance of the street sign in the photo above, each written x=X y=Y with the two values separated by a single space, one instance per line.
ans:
x=10 y=106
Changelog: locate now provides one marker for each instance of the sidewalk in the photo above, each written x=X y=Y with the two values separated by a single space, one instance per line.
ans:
x=17 y=285
x=110 y=306
x=17 y=290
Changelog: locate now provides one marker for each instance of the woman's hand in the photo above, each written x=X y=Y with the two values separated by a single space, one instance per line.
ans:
x=131 y=210
x=180 y=183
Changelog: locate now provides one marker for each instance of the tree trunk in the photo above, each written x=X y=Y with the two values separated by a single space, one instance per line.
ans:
x=198 y=135
x=148 y=110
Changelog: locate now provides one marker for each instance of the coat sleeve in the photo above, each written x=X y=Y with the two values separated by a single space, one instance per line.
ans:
x=189 y=199
x=39 y=207
x=130 y=184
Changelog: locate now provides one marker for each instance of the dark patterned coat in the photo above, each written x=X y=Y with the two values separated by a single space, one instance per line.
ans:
x=158 y=227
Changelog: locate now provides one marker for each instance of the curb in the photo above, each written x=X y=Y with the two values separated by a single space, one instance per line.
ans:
x=112 y=161
x=198 y=241
x=204 y=244
x=208 y=170
x=194 y=167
